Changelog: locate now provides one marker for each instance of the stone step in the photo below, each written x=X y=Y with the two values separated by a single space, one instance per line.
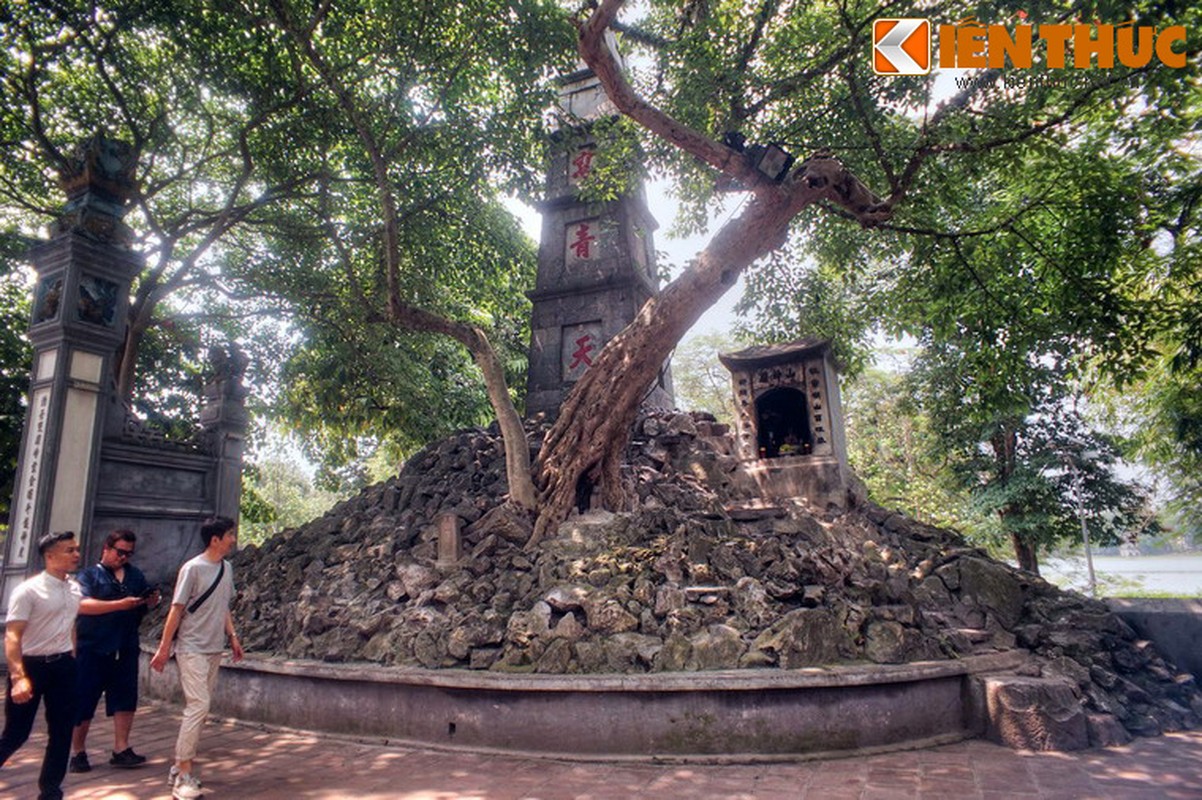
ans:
x=753 y=511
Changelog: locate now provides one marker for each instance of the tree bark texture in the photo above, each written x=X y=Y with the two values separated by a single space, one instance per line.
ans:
x=1024 y=551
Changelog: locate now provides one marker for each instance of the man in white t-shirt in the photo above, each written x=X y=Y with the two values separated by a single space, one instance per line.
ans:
x=200 y=614
x=39 y=646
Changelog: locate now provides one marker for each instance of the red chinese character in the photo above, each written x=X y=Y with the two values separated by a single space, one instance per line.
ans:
x=582 y=165
x=584 y=241
x=583 y=348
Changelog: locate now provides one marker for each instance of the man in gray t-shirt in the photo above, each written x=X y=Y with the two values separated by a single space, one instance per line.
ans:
x=200 y=614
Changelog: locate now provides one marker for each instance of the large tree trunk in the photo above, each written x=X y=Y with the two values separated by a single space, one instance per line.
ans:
x=127 y=360
x=1025 y=553
x=1005 y=453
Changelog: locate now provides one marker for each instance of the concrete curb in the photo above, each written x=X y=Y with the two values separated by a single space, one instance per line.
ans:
x=740 y=715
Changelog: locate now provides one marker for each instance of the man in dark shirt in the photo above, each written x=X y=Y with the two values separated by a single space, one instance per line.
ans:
x=115 y=598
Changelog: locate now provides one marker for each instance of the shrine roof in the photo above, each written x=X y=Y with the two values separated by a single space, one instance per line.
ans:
x=767 y=355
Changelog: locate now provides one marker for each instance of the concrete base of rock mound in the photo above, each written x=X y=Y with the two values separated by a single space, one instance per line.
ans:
x=759 y=714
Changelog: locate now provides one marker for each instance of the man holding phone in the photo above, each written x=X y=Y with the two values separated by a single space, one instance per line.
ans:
x=115 y=598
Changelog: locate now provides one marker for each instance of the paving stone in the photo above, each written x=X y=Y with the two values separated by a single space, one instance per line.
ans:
x=244 y=762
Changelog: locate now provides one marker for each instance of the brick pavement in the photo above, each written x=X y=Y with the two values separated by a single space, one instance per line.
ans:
x=249 y=761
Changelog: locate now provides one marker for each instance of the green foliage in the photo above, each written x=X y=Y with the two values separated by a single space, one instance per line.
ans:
x=1047 y=234
x=16 y=360
x=1010 y=427
x=141 y=72
x=793 y=297
x=700 y=381
x=435 y=110
x=259 y=200
x=893 y=449
x=170 y=374
x=277 y=495
x=253 y=507
x=408 y=389
x=1163 y=415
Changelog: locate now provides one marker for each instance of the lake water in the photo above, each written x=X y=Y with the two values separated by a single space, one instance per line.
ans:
x=1176 y=574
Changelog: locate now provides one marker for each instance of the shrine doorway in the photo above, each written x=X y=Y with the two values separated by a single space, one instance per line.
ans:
x=782 y=424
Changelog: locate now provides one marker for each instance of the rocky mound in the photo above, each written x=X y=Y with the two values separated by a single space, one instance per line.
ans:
x=693 y=577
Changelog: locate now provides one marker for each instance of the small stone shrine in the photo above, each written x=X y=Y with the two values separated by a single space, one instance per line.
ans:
x=596 y=260
x=789 y=421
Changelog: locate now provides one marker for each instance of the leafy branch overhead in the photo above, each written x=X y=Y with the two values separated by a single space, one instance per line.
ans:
x=985 y=167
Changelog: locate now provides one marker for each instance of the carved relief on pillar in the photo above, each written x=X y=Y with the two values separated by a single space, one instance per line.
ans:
x=98 y=300
x=47 y=299
x=225 y=396
x=99 y=182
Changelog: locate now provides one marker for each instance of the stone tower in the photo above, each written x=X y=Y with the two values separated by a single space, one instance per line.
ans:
x=596 y=260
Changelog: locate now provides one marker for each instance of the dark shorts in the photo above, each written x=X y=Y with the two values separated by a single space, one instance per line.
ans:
x=115 y=675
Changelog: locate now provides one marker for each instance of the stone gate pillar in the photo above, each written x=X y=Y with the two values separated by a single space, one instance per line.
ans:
x=224 y=418
x=84 y=271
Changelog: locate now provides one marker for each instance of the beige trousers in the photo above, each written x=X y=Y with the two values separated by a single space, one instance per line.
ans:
x=197 y=677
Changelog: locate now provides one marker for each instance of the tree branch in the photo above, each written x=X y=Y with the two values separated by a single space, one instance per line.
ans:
x=596 y=53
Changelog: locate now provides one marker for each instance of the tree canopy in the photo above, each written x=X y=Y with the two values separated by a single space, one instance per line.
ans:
x=1047 y=221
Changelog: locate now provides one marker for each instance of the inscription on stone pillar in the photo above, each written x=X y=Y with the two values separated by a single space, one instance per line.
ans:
x=582 y=241
x=580 y=165
x=27 y=490
x=580 y=346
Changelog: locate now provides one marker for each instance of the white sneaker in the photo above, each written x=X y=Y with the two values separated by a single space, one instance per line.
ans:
x=186 y=787
x=171 y=775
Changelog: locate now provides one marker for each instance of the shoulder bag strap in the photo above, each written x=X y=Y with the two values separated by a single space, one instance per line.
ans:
x=198 y=602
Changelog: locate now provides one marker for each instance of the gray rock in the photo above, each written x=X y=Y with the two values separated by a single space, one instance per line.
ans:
x=556 y=658
x=669 y=598
x=803 y=638
x=416 y=578
x=752 y=604
x=681 y=425
x=626 y=652
x=609 y=617
x=567 y=598
x=717 y=647
x=568 y=628
x=994 y=586
x=612 y=592
x=886 y=642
